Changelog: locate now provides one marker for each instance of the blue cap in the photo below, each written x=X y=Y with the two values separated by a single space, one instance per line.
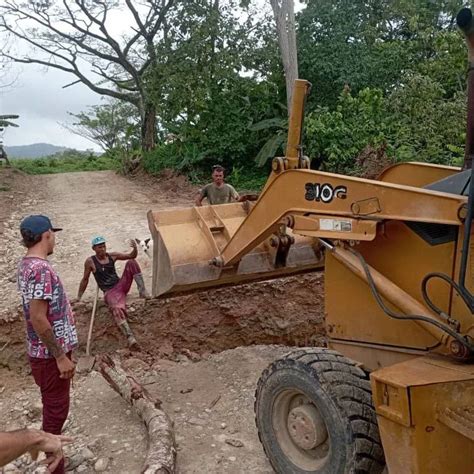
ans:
x=97 y=240
x=37 y=225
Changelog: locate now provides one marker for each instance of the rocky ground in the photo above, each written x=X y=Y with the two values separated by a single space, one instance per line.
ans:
x=201 y=354
x=210 y=402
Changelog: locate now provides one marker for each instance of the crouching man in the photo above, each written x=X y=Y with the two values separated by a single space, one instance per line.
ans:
x=102 y=266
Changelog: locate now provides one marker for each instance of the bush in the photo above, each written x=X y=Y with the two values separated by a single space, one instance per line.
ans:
x=65 y=163
x=183 y=158
x=187 y=160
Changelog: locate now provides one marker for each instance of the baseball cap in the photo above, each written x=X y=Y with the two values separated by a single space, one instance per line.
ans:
x=37 y=224
x=97 y=240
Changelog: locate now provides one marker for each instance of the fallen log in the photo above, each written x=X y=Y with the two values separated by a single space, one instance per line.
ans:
x=161 y=453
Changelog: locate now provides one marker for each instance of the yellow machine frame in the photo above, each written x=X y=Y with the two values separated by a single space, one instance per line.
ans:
x=421 y=368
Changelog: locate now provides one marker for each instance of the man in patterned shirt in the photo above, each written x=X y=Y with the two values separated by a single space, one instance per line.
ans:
x=51 y=330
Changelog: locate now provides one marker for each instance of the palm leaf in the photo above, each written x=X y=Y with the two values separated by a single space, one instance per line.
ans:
x=6 y=123
x=270 y=148
x=269 y=123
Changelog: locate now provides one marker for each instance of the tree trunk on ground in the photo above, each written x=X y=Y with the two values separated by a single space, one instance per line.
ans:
x=149 y=127
x=161 y=455
x=284 y=12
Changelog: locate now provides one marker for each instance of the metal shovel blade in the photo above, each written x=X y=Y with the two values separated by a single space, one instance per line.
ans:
x=186 y=239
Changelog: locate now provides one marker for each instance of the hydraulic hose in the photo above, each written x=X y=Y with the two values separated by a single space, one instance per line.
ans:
x=413 y=317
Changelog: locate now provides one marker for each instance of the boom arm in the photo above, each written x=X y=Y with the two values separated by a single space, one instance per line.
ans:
x=313 y=198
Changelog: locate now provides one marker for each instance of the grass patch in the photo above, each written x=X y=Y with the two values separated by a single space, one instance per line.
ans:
x=4 y=187
x=64 y=163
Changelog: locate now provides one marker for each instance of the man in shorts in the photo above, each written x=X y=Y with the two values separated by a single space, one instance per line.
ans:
x=102 y=266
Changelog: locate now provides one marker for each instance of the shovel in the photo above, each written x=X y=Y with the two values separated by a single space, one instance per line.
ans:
x=86 y=363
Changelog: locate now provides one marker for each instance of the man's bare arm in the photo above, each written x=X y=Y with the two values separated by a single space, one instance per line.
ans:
x=235 y=194
x=198 y=199
x=85 y=279
x=15 y=443
x=126 y=256
x=42 y=327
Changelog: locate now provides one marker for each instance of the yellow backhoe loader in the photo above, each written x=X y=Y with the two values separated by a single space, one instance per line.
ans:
x=395 y=386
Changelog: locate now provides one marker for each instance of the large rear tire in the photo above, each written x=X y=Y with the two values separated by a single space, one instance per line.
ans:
x=314 y=414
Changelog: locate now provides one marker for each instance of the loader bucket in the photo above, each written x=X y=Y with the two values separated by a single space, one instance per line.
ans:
x=186 y=240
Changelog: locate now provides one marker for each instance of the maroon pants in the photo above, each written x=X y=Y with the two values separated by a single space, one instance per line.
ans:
x=54 y=395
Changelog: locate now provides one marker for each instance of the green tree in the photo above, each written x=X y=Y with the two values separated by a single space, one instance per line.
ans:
x=415 y=122
x=214 y=59
x=109 y=125
x=335 y=137
x=76 y=37
x=372 y=44
x=424 y=124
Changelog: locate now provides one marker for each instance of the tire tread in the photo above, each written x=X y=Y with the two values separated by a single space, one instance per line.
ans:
x=349 y=387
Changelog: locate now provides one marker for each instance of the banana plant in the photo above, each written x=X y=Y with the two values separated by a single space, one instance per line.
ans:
x=278 y=139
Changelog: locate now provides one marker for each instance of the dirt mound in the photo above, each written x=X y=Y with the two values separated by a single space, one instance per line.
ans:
x=275 y=312
x=13 y=185
x=372 y=161
x=172 y=181
x=287 y=311
x=167 y=186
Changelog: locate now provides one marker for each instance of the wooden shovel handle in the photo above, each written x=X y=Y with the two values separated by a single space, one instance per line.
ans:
x=91 y=325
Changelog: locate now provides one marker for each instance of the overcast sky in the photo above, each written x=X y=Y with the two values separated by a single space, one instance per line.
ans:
x=43 y=105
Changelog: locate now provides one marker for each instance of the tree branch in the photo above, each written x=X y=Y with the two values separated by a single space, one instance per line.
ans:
x=161 y=456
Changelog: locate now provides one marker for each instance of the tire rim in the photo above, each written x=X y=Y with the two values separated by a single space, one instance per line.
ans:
x=300 y=430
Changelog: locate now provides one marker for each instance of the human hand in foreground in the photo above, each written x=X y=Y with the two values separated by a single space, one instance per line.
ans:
x=51 y=444
x=15 y=443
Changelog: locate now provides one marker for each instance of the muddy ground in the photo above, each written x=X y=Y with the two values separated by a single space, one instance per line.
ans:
x=195 y=348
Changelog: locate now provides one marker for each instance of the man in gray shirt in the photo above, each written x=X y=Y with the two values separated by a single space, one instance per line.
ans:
x=217 y=192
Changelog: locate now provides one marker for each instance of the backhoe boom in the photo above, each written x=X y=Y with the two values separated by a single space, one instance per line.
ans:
x=343 y=202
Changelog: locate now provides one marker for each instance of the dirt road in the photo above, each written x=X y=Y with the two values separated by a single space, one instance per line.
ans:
x=184 y=362
x=85 y=205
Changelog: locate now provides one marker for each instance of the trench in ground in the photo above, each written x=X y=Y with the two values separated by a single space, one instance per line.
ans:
x=287 y=311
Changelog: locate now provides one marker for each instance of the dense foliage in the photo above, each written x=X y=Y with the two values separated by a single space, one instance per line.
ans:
x=388 y=77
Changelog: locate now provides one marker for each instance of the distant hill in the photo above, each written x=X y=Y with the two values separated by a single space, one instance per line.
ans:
x=36 y=150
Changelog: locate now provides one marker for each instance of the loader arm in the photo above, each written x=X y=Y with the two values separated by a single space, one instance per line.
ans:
x=326 y=205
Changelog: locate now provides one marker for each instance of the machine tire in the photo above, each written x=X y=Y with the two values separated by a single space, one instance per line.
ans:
x=336 y=396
